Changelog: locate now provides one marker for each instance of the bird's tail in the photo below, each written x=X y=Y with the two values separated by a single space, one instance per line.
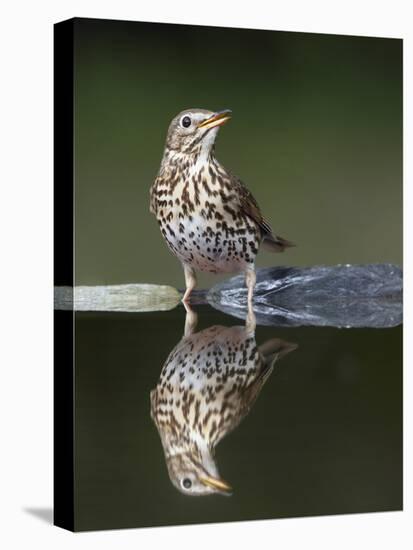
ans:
x=274 y=349
x=273 y=243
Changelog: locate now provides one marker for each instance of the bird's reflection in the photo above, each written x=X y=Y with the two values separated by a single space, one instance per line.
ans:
x=207 y=385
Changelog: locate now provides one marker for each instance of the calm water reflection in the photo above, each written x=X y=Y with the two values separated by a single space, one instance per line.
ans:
x=323 y=437
x=207 y=385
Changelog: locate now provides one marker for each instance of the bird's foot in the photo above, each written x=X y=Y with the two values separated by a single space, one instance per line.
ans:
x=191 y=319
x=186 y=298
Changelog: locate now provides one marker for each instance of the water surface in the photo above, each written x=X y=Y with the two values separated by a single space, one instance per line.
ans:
x=323 y=437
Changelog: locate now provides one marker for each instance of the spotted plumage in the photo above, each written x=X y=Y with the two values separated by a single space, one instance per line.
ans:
x=209 y=219
x=207 y=385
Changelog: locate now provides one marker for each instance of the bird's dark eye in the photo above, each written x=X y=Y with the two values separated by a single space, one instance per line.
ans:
x=187 y=483
x=186 y=122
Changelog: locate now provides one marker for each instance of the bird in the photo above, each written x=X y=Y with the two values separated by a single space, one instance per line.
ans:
x=207 y=385
x=209 y=219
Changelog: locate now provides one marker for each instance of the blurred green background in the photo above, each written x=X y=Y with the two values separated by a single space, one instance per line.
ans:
x=316 y=135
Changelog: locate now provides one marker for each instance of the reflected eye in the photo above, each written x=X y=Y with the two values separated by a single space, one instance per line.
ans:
x=187 y=483
x=186 y=122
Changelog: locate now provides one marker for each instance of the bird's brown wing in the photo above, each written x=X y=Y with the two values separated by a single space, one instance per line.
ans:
x=245 y=400
x=249 y=206
x=271 y=351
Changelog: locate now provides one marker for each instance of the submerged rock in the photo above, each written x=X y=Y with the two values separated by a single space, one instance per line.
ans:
x=338 y=296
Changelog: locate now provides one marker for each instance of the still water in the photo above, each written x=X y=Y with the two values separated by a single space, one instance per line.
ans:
x=320 y=432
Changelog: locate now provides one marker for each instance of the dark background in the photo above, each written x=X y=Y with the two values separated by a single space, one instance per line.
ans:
x=316 y=134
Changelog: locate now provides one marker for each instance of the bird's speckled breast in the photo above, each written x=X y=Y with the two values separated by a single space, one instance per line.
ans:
x=201 y=223
x=204 y=377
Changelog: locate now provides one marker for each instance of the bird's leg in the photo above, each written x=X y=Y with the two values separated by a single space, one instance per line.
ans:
x=190 y=282
x=250 y=279
x=191 y=320
x=250 y=322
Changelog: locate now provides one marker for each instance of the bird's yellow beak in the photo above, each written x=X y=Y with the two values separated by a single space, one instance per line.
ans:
x=216 y=120
x=218 y=484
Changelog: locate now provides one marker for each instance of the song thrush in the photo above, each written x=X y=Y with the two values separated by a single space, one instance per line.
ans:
x=207 y=385
x=208 y=218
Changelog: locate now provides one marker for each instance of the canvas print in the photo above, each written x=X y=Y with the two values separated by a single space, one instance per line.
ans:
x=228 y=281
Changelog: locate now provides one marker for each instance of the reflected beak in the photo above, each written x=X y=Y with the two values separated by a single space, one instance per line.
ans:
x=216 y=120
x=218 y=484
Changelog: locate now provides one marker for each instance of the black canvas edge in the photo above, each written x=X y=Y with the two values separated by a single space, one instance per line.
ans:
x=63 y=428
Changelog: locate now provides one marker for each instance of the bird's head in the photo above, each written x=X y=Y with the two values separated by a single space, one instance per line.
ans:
x=194 y=478
x=194 y=131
